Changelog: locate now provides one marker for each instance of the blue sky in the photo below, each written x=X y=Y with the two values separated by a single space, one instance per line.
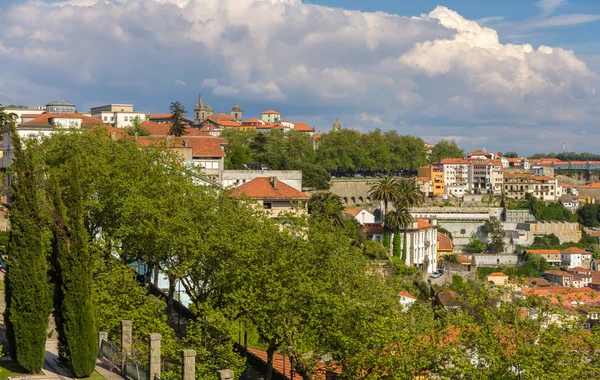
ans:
x=505 y=75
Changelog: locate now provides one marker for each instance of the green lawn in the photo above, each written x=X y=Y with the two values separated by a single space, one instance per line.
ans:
x=95 y=376
x=10 y=368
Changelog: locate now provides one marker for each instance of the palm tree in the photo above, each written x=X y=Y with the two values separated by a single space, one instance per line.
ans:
x=396 y=219
x=385 y=190
x=327 y=206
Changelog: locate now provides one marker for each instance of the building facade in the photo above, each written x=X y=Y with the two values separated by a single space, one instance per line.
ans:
x=456 y=176
x=517 y=185
x=118 y=115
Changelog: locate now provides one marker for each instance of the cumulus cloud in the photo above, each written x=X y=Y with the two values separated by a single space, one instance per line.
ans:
x=435 y=75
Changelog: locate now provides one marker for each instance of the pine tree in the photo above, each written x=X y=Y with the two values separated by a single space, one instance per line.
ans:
x=74 y=311
x=28 y=290
x=386 y=240
x=178 y=126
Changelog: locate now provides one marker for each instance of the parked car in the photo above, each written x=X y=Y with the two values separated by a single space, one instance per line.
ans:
x=436 y=274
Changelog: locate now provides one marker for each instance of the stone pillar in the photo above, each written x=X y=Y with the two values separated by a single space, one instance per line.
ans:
x=188 y=358
x=102 y=335
x=154 y=368
x=225 y=374
x=126 y=339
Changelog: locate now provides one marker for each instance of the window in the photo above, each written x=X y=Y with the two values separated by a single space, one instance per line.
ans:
x=105 y=118
x=267 y=205
x=112 y=118
x=126 y=118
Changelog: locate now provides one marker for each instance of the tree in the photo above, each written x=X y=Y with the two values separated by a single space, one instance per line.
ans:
x=393 y=221
x=75 y=311
x=511 y=155
x=238 y=149
x=178 y=125
x=136 y=128
x=476 y=244
x=326 y=206
x=28 y=290
x=374 y=250
x=446 y=149
x=385 y=190
x=493 y=229
x=409 y=196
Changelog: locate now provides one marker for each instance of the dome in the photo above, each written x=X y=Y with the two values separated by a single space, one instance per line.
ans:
x=236 y=108
x=208 y=108
x=60 y=103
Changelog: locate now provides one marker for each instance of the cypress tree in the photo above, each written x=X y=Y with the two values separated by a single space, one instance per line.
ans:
x=386 y=240
x=396 y=245
x=74 y=311
x=28 y=291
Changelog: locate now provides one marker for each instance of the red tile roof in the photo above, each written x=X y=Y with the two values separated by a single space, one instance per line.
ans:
x=479 y=153
x=202 y=146
x=544 y=251
x=262 y=188
x=373 y=229
x=454 y=161
x=575 y=250
x=423 y=224
x=444 y=242
x=558 y=273
x=301 y=127
x=353 y=211
x=567 y=186
x=162 y=129
x=515 y=159
x=497 y=274
x=404 y=293
x=160 y=116
x=595 y=185
x=43 y=120
x=270 y=112
x=464 y=259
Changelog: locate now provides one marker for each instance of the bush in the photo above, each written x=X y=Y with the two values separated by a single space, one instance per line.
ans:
x=374 y=250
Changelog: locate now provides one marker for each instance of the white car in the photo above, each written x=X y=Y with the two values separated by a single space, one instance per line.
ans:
x=436 y=274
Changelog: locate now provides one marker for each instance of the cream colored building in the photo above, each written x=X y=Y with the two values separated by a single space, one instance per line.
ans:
x=117 y=115
x=421 y=248
x=517 y=185
x=456 y=176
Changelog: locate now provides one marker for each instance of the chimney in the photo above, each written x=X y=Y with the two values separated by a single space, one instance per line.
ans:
x=273 y=181
x=415 y=225
x=113 y=135
x=185 y=143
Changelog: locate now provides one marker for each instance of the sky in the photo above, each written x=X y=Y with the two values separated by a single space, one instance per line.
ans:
x=510 y=75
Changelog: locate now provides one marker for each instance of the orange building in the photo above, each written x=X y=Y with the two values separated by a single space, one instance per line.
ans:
x=435 y=176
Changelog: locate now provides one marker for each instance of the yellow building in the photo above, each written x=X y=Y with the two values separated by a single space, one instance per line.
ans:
x=435 y=176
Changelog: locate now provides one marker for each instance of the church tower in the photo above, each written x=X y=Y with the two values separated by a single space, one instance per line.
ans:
x=336 y=126
x=201 y=111
x=236 y=112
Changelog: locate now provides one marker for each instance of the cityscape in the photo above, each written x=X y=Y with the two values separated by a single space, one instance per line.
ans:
x=327 y=189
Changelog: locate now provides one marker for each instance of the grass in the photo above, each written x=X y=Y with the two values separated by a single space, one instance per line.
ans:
x=95 y=376
x=10 y=368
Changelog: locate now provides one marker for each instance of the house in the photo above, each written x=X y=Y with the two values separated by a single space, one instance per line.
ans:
x=274 y=196
x=434 y=176
x=552 y=256
x=568 y=189
x=406 y=299
x=361 y=215
x=373 y=231
x=456 y=176
x=44 y=125
x=575 y=257
x=569 y=202
x=164 y=129
x=217 y=123
x=271 y=116
x=421 y=247
x=485 y=176
x=559 y=277
x=497 y=278
x=117 y=115
x=517 y=185
x=445 y=245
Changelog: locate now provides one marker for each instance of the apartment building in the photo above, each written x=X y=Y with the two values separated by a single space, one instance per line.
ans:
x=485 y=176
x=517 y=185
x=117 y=115
x=456 y=176
x=432 y=179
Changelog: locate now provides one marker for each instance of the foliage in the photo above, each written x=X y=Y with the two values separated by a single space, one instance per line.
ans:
x=28 y=290
x=178 y=124
x=458 y=284
x=446 y=149
x=475 y=244
x=136 y=128
x=122 y=298
x=74 y=310
x=385 y=190
x=511 y=155
x=328 y=207
x=451 y=258
x=374 y=250
x=545 y=242
x=397 y=250
x=444 y=231
x=493 y=229
x=589 y=215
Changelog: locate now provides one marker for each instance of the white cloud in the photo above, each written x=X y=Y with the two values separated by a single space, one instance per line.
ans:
x=434 y=75
x=549 y=6
x=562 y=20
x=180 y=82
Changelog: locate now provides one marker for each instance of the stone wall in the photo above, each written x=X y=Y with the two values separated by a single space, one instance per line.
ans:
x=353 y=192
x=493 y=260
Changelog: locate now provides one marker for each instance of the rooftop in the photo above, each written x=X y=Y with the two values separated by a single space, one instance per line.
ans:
x=268 y=188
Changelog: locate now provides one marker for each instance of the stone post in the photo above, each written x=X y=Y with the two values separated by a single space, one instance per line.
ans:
x=225 y=374
x=154 y=368
x=126 y=338
x=188 y=358
x=102 y=335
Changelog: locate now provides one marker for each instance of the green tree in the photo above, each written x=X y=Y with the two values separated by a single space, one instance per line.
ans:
x=178 y=124
x=75 y=311
x=374 y=250
x=446 y=149
x=385 y=190
x=238 y=149
x=136 y=128
x=393 y=221
x=511 y=155
x=409 y=196
x=28 y=290
x=325 y=206
x=475 y=244
x=493 y=229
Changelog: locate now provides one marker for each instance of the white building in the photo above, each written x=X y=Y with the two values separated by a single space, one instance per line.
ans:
x=117 y=115
x=406 y=300
x=235 y=178
x=421 y=248
x=361 y=215
x=43 y=125
x=575 y=257
x=456 y=176
x=485 y=176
